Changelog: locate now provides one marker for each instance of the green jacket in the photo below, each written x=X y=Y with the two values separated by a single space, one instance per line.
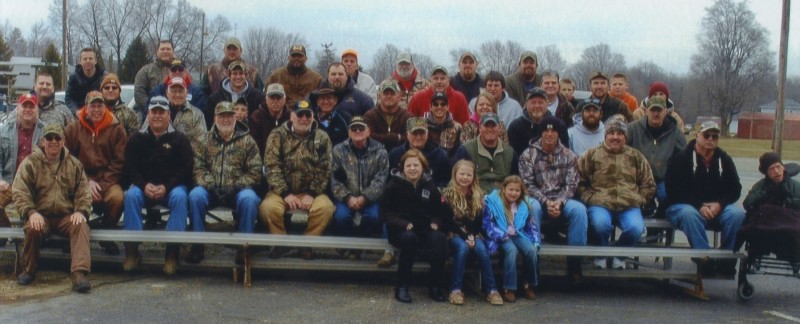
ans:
x=658 y=151
x=491 y=169
x=296 y=164
x=355 y=175
x=148 y=77
x=784 y=194
x=232 y=164
x=616 y=181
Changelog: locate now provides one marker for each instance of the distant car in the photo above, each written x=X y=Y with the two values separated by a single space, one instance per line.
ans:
x=581 y=95
x=126 y=95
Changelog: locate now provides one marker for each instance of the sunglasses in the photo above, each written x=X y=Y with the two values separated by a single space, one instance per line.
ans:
x=357 y=129
x=592 y=100
x=51 y=137
x=439 y=104
x=177 y=69
x=110 y=88
x=304 y=114
x=714 y=136
x=160 y=103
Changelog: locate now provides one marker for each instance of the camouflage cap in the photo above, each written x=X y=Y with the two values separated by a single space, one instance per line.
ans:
x=415 y=124
x=233 y=41
x=53 y=129
x=93 y=96
x=616 y=124
x=275 y=89
x=708 y=126
x=530 y=55
x=438 y=68
x=654 y=102
x=389 y=85
x=223 y=107
x=598 y=74
x=237 y=64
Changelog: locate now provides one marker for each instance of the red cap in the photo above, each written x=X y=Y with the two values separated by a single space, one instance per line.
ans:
x=28 y=98
x=177 y=81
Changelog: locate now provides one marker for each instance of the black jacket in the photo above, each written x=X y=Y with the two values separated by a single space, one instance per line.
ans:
x=79 y=85
x=403 y=203
x=524 y=131
x=253 y=96
x=167 y=160
x=689 y=181
x=438 y=161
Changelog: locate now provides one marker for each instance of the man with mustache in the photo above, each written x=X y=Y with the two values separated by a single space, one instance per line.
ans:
x=588 y=130
x=408 y=79
x=296 y=78
x=519 y=83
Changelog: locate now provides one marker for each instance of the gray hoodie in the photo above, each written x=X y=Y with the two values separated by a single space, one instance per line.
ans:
x=582 y=139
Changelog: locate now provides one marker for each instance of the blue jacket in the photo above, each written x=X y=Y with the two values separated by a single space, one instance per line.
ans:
x=495 y=224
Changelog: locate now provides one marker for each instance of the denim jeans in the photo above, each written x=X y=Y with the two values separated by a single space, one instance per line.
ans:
x=630 y=222
x=176 y=202
x=343 y=219
x=246 y=209
x=688 y=219
x=510 y=249
x=661 y=191
x=460 y=252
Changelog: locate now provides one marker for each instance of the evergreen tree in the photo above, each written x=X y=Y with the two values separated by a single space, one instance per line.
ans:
x=136 y=57
x=325 y=58
x=53 y=61
x=5 y=55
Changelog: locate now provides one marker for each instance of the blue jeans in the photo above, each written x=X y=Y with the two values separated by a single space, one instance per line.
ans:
x=343 y=219
x=574 y=213
x=510 y=249
x=246 y=209
x=688 y=219
x=460 y=253
x=661 y=191
x=176 y=202
x=630 y=222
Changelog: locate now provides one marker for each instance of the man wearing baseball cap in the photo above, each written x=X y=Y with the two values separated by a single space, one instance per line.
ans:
x=45 y=207
x=467 y=80
x=494 y=158
x=457 y=104
x=21 y=137
x=598 y=84
x=526 y=129
x=417 y=137
x=269 y=116
x=159 y=162
x=235 y=86
x=97 y=139
x=185 y=117
x=213 y=77
x=194 y=94
x=297 y=79
x=519 y=83
x=408 y=78
x=702 y=190
x=588 y=130
x=387 y=121
x=364 y=82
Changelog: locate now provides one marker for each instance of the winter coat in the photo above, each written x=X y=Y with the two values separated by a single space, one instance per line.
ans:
x=404 y=203
x=409 y=88
x=495 y=223
x=212 y=78
x=253 y=96
x=421 y=104
x=50 y=112
x=297 y=85
x=515 y=86
x=126 y=116
x=564 y=110
x=188 y=120
x=582 y=139
x=79 y=85
x=350 y=100
x=784 y=194
x=492 y=169
x=335 y=125
x=231 y=165
x=612 y=106
x=53 y=189
x=471 y=130
x=194 y=94
x=523 y=131
x=262 y=123
x=99 y=147
x=508 y=109
x=689 y=181
x=462 y=226
x=447 y=134
x=470 y=89
x=616 y=181
x=438 y=162
x=390 y=133
x=357 y=174
x=628 y=99
x=165 y=160
x=657 y=151
x=366 y=83
x=147 y=78
x=640 y=112
x=297 y=165
x=9 y=147
x=549 y=176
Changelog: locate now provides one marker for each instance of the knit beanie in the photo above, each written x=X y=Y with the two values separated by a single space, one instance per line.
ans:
x=658 y=86
x=110 y=78
x=766 y=160
x=616 y=124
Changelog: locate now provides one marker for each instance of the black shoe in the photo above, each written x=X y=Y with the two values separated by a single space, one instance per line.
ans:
x=110 y=248
x=25 y=278
x=401 y=294
x=437 y=294
x=726 y=267
x=196 y=254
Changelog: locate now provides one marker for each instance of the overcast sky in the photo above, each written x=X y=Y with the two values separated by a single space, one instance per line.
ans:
x=660 y=31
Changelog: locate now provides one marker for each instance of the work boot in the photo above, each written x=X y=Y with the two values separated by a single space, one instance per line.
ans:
x=196 y=254
x=80 y=282
x=171 y=259
x=437 y=294
x=386 y=260
x=110 y=248
x=26 y=278
x=401 y=294
x=132 y=257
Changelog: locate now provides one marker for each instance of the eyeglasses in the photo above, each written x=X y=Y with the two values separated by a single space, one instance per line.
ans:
x=296 y=55
x=159 y=102
x=304 y=114
x=357 y=129
x=714 y=136
x=51 y=137
x=177 y=69
x=110 y=88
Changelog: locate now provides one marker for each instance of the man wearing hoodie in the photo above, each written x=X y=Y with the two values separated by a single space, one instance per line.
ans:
x=349 y=99
x=457 y=103
x=97 y=139
x=217 y=72
x=234 y=87
x=297 y=80
x=507 y=108
x=525 y=129
x=408 y=79
x=194 y=94
x=87 y=77
x=588 y=130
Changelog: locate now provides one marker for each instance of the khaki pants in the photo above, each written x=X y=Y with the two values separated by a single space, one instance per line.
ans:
x=112 y=202
x=273 y=208
x=78 y=241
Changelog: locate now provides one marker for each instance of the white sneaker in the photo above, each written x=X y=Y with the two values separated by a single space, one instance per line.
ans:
x=599 y=263
x=617 y=263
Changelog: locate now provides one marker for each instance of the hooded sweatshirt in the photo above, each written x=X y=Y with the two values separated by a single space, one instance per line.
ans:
x=582 y=139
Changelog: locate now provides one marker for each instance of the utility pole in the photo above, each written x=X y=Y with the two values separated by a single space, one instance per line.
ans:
x=777 y=138
x=64 y=45
x=202 y=41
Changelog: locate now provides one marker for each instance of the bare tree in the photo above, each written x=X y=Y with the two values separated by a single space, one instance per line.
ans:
x=641 y=75
x=595 y=58
x=455 y=54
x=17 y=42
x=55 y=11
x=118 y=31
x=383 y=62
x=499 y=56
x=268 y=48
x=550 y=59
x=733 y=58
x=38 y=39
x=325 y=57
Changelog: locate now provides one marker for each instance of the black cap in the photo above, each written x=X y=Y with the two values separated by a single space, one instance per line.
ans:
x=536 y=92
x=439 y=96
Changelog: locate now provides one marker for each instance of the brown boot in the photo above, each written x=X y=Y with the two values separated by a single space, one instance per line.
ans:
x=171 y=259
x=132 y=257
x=80 y=282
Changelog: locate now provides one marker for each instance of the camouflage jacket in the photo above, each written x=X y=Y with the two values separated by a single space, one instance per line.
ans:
x=551 y=176
x=127 y=117
x=232 y=164
x=190 y=121
x=52 y=112
x=356 y=175
x=616 y=181
x=470 y=130
x=446 y=134
x=295 y=164
x=408 y=89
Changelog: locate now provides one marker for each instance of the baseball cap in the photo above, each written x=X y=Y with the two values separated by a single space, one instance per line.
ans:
x=233 y=41
x=390 y=85
x=438 y=68
x=490 y=117
x=237 y=64
x=415 y=124
x=350 y=51
x=467 y=54
x=439 y=96
x=590 y=102
x=598 y=74
x=223 y=107
x=28 y=97
x=357 y=120
x=53 y=129
x=653 y=102
x=176 y=62
x=536 y=92
x=404 y=58
x=528 y=54
x=297 y=49
x=177 y=81
x=301 y=106
x=709 y=125
x=93 y=96
x=275 y=89
x=158 y=102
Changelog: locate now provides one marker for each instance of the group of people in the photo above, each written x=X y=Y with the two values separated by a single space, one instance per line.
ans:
x=456 y=164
